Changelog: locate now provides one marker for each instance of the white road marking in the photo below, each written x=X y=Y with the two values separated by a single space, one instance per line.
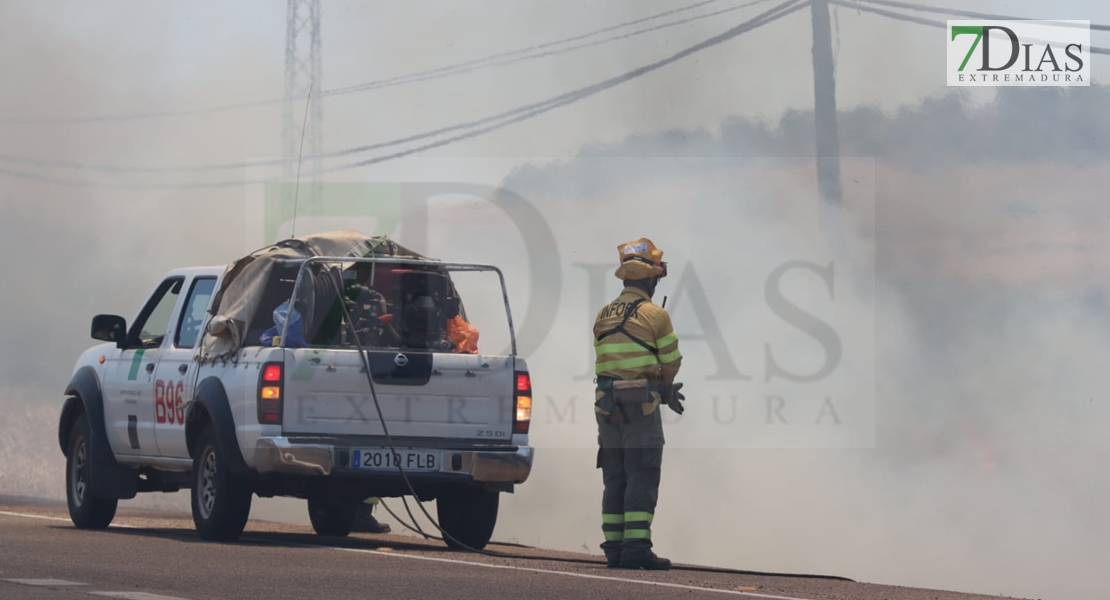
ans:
x=459 y=562
x=135 y=596
x=532 y=570
x=26 y=516
x=43 y=582
x=46 y=518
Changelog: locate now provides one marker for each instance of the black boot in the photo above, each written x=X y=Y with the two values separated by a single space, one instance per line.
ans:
x=366 y=523
x=643 y=560
x=612 y=552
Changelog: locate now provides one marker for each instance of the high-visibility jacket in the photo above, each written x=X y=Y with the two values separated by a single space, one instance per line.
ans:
x=655 y=357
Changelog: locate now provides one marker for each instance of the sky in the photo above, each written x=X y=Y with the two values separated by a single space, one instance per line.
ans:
x=156 y=53
x=916 y=520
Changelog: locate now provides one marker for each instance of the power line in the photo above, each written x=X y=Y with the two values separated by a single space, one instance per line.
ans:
x=527 y=111
x=961 y=13
x=496 y=122
x=921 y=21
x=466 y=68
x=771 y=15
x=312 y=156
x=492 y=60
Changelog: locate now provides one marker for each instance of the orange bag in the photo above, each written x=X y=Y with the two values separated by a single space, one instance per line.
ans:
x=463 y=334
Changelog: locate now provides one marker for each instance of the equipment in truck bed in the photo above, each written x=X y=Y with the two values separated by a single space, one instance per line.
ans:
x=254 y=285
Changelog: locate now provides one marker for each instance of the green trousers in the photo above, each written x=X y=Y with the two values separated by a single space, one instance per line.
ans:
x=630 y=455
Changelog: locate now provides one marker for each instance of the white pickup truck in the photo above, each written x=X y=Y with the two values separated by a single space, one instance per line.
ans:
x=212 y=388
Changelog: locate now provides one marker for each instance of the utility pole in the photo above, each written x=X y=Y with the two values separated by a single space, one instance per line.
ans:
x=303 y=71
x=824 y=114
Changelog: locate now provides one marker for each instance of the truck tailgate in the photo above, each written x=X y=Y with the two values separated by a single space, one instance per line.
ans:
x=421 y=394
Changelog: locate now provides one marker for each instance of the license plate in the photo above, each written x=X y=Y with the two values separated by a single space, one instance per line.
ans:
x=386 y=460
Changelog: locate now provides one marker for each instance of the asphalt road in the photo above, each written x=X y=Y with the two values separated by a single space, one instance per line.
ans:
x=148 y=555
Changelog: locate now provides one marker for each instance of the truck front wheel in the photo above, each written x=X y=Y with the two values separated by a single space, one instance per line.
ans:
x=85 y=510
x=221 y=502
x=468 y=515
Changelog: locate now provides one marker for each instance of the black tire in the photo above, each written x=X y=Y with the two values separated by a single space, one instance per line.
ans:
x=468 y=515
x=221 y=502
x=86 y=511
x=332 y=517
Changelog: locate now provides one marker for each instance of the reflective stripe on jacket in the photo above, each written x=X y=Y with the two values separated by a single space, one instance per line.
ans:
x=620 y=357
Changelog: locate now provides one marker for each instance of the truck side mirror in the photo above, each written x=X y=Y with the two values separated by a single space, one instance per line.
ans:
x=110 y=328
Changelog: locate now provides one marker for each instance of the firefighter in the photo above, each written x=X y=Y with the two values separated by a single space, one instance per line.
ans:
x=637 y=361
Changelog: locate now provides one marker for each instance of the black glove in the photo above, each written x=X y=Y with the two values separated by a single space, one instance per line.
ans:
x=673 y=398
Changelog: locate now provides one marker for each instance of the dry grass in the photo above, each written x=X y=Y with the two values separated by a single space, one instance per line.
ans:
x=33 y=465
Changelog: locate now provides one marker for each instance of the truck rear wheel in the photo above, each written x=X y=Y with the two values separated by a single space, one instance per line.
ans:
x=468 y=515
x=221 y=502
x=85 y=510
x=333 y=517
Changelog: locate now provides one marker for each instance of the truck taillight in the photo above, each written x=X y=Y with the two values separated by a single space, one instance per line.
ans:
x=270 y=384
x=523 y=397
x=272 y=373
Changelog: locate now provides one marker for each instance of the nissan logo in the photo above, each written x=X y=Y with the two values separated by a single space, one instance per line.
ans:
x=400 y=360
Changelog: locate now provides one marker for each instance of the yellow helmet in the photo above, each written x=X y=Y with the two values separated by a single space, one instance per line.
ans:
x=640 y=259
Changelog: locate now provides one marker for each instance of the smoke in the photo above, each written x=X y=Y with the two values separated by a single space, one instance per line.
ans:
x=73 y=252
x=969 y=295
x=986 y=325
x=983 y=324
